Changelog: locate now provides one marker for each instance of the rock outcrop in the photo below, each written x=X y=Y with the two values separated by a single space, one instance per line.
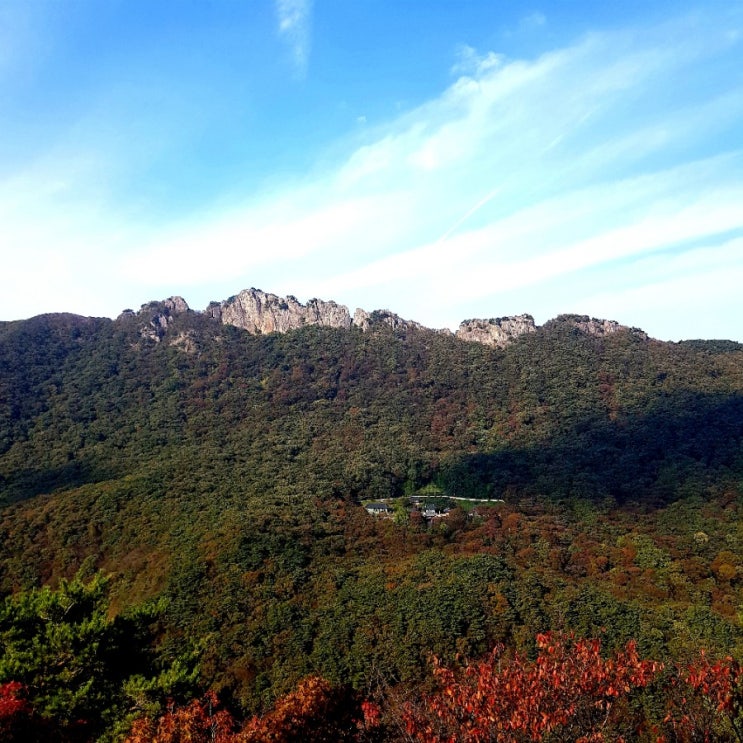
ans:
x=185 y=342
x=498 y=331
x=367 y=320
x=595 y=326
x=259 y=312
x=157 y=316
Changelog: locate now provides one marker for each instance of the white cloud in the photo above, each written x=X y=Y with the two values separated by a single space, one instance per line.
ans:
x=516 y=183
x=294 y=19
x=57 y=242
x=193 y=254
x=470 y=62
x=543 y=242
x=692 y=294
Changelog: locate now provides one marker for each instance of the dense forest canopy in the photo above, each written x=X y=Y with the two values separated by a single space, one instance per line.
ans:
x=222 y=476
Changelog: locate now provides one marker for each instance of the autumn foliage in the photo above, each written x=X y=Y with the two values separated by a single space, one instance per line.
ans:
x=315 y=711
x=569 y=692
x=18 y=723
x=12 y=702
x=570 y=688
x=705 y=702
x=201 y=721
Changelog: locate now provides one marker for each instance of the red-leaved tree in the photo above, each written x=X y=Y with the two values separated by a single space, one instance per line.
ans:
x=201 y=721
x=705 y=700
x=18 y=724
x=315 y=711
x=570 y=690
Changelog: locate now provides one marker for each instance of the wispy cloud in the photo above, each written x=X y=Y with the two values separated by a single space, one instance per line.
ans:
x=559 y=183
x=518 y=175
x=294 y=26
x=470 y=62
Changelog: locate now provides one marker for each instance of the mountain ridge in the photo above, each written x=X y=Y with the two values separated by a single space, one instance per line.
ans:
x=260 y=312
x=225 y=473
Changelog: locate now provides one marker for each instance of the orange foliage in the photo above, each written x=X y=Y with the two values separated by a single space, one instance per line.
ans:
x=199 y=722
x=569 y=689
x=569 y=692
x=314 y=711
x=706 y=702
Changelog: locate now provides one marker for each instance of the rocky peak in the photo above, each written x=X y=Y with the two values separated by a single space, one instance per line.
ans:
x=157 y=316
x=367 y=320
x=331 y=314
x=175 y=306
x=498 y=331
x=595 y=326
x=259 y=312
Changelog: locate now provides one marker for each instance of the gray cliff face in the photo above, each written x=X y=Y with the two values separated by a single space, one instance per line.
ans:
x=368 y=320
x=497 y=332
x=595 y=326
x=259 y=312
x=175 y=305
x=157 y=316
x=327 y=313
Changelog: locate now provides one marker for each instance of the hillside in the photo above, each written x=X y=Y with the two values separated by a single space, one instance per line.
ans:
x=225 y=470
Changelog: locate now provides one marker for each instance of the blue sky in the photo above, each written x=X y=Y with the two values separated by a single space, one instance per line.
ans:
x=445 y=160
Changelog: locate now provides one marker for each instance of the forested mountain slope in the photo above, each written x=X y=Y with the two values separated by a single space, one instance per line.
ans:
x=225 y=471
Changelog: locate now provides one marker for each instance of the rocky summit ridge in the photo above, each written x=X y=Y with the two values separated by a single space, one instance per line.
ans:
x=260 y=312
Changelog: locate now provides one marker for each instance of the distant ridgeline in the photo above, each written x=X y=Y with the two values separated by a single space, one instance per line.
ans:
x=219 y=459
x=258 y=313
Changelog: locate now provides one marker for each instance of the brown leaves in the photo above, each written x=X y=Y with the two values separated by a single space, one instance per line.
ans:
x=18 y=723
x=315 y=711
x=568 y=692
x=568 y=688
x=706 y=702
x=199 y=722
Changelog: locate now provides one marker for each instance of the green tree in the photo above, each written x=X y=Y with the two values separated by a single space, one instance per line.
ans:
x=82 y=667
